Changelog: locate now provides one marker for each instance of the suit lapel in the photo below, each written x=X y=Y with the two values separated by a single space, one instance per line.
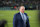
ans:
x=20 y=16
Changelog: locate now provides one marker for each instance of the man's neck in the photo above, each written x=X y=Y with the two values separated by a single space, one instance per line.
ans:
x=21 y=12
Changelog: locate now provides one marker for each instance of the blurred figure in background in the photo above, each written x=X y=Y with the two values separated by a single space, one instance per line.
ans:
x=21 y=19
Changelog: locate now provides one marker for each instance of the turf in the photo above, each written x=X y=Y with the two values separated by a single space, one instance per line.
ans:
x=8 y=15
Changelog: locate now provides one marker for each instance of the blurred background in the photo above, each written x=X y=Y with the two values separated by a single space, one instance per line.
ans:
x=10 y=7
x=14 y=4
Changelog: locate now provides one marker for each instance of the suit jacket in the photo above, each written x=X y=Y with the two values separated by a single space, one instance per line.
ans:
x=18 y=21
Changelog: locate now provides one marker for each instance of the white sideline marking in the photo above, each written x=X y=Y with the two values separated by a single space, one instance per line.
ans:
x=31 y=22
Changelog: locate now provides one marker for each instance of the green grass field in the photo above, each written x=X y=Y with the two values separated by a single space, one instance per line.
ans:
x=8 y=15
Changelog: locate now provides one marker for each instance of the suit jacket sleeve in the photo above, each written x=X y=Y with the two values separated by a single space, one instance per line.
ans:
x=28 y=22
x=28 y=25
x=15 y=21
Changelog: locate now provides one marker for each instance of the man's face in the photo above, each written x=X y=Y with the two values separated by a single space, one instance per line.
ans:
x=22 y=9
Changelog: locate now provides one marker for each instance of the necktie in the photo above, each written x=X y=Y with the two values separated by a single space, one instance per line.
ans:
x=24 y=20
x=23 y=16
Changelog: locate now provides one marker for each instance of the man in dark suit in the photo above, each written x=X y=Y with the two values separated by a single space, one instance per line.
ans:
x=21 y=19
